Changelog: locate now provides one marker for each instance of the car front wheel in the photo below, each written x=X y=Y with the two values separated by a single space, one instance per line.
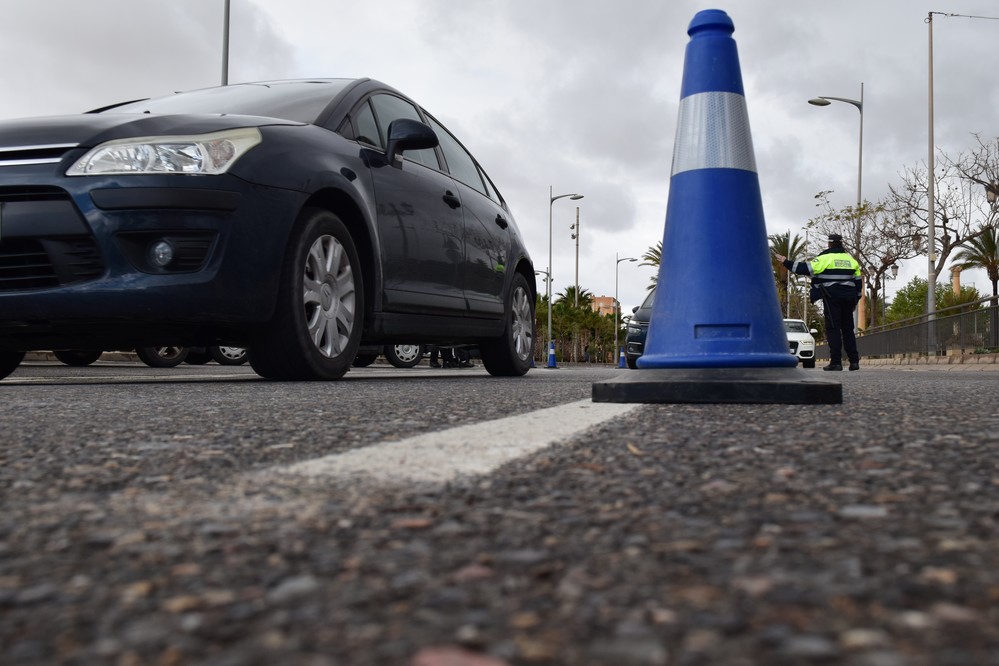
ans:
x=77 y=358
x=510 y=355
x=162 y=357
x=9 y=360
x=316 y=328
x=404 y=356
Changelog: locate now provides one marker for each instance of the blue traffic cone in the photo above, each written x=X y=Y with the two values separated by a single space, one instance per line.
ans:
x=719 y=340
x=551 y=355
x=622 y=362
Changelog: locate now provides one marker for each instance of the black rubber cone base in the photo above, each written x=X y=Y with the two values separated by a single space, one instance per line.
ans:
x=790 y=386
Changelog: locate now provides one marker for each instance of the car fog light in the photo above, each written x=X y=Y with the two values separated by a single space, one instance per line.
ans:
x=161 y=253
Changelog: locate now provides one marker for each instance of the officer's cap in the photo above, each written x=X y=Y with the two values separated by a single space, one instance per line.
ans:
x=835 y=238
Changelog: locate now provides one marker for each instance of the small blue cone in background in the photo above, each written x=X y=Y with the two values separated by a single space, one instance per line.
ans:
x=719 y=339
x=551 y=355
x=622 y=362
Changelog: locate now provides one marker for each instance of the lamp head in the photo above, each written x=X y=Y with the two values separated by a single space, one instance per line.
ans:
x=576 y=197
x=819 y=101
x=991 y=190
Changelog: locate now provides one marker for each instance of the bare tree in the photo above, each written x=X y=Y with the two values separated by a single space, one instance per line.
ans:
x=879 y=235
x=958 y=207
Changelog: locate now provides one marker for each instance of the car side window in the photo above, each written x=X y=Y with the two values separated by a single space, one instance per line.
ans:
x=388 y=108
x=459 y=162
x=491 y=190
x=366 y=127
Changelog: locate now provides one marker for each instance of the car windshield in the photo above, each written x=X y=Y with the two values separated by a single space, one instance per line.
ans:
x=795 y=327
x=301 y=101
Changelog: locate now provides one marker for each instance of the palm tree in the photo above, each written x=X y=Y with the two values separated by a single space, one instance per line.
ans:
x=572 y=317
x=653 y=257
x=981 y=252
x=793 y=249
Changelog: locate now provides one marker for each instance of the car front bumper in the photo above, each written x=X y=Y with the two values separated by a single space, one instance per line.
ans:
x=75 y=252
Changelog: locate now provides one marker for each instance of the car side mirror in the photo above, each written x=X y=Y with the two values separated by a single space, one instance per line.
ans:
x=406 y=134
x=634 y=309
x=813 y=331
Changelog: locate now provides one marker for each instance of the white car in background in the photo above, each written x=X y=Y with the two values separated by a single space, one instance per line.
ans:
x=799 y=338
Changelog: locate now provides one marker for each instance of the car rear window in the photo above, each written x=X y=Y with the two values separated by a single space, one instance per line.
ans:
x=300 y=101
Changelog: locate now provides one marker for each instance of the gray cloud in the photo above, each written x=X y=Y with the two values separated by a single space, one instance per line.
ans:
x=577 y=96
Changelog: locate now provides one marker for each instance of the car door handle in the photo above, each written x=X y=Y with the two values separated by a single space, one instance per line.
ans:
x=501 y=222
x=451 y=200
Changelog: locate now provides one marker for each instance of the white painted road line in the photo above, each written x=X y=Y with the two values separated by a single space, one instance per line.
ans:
x=444 y=456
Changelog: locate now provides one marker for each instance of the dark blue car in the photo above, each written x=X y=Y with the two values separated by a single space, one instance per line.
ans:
x=299 y=219
x=638 y=330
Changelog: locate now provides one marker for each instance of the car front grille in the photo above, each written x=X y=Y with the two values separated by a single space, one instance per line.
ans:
x=30 y=155
x=61 y=253
x=29 y=263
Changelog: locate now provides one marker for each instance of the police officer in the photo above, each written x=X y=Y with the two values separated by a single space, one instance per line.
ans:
x=836 y=278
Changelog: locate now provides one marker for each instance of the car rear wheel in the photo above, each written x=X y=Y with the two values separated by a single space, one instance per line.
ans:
x=9 y=360
x=77 y=358
x=404 y=356
x=228 y=355
x=510 y=355
x=162 y=357
x=316 y=329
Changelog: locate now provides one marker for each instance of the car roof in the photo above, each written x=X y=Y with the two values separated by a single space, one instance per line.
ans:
x=300 y=100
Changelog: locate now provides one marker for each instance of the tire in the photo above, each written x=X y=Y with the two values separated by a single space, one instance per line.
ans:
x=364 y=360
x=197 y=356
x=228 y=355
x=632 y=363
x=510 y=355
x=162 y=357
x=809 y=363
x=77 y=358
x=404 y=356
x=9 y=360
x=319 y=314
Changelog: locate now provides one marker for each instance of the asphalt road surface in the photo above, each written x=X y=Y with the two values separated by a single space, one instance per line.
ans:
x=424 y=517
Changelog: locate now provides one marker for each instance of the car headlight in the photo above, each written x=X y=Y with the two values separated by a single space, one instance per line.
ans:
x=634 y=329
x=203 y=154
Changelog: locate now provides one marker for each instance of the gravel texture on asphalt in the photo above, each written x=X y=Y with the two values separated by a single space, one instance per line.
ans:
x=862 y=534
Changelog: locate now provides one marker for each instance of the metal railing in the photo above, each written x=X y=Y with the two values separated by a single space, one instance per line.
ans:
x=968 y=328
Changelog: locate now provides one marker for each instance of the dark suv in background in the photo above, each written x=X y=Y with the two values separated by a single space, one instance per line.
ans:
x=638 y=330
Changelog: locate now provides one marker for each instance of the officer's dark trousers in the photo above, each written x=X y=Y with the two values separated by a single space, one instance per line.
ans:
x=839 y=329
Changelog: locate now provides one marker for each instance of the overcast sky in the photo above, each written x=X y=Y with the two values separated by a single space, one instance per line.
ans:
x=576 y=95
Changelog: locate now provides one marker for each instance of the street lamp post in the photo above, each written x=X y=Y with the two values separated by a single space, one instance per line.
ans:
x=551 y=203
x=575 y=228
x=859 y=103
x=547 y=279
x=617 y=305
x=225 y=44
x=575 y=236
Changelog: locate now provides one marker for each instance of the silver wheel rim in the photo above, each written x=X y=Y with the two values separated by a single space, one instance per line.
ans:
x=407 y=353
x=232 y=353
x=169 y=353
x=521 y=327
x=329 y=296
